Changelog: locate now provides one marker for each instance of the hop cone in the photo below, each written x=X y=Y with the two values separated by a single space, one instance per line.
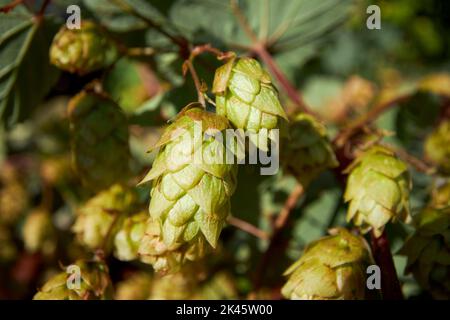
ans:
x=136 y=287
x=169 y=258
x=128 y=238
x=82 y=50
x=378 y=190
x=246 y=96
x=100 y=151
x=101 y=216
x=38 y=232
x=437 y=147
x=428 y=251
x=308 y=151
x=331 y=268
x=192 y=184
x=94 y=283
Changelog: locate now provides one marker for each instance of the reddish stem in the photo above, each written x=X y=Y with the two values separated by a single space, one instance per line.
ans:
x=390 y=285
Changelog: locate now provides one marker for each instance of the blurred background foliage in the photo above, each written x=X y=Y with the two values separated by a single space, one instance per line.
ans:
x=341 y=68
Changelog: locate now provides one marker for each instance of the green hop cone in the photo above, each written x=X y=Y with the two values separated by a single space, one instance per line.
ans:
x=331 y=268
x=192 y=183
x=82 y=50
x=136 y=287
x=38 y=232
x=99 y=132
x=437 y=147
x=100 y=217
x=378 y=190
x=428 y=251
x=128 y=238
x=246 y=96
x=84 y=280
x=308 y=151
x=168 y=259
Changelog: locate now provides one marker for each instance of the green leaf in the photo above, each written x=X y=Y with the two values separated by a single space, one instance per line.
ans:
x=291 y=29
x=25 y=73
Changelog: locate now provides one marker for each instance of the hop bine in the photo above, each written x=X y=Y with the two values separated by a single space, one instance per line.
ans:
x=428 y=251
x=307 y=152
x=98 y=129
x=192 y=186
x=378 y=190
x=331 y=268
x=93 y=283
x=437 y=147
x=82 y=50
x=100 y=218
x=246 y=96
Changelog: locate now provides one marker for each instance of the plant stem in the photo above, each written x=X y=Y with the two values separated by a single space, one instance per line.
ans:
x=197 y=83
x=390 y=285
x=8 y=7
x=247 y=227
x=276 y=244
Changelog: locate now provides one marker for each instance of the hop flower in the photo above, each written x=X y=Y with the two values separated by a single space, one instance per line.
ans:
x=128 y=238
x=308 y=151
x=378 y=190
x=82 y=50
x=331 y=268
x=246 y=96
x=99 y=129
x=38 y=232
x=100 y=217
x=428 y=251
x=85 y=280
x=169 y=258
x=437 y=147
x=192 y=183
x=137 y=287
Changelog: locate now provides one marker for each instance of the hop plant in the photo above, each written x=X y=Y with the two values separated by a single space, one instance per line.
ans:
x=378 y=190
x=128 y=238
x=169 y=258
x=428 y=251
x=93 y=283
x=308 y=151
x=137 y=287
x=437 y=147
x=38 y=232
x=331 y=268
x=98 y=127
x=246 y=96
x=100 y=218
x=82 y=50
x=192 y=183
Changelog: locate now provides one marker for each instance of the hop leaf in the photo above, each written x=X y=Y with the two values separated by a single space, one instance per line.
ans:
x=378 y=190
x=308 y=151
x=94 y=284
x=101 y=216
x=128 y=238
x=82 y=50
x=437 y=147
x=428 y=251
x=100 y=150
x=192 y=183
x=246 y=96
x=38 y=232
x=331 y=268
